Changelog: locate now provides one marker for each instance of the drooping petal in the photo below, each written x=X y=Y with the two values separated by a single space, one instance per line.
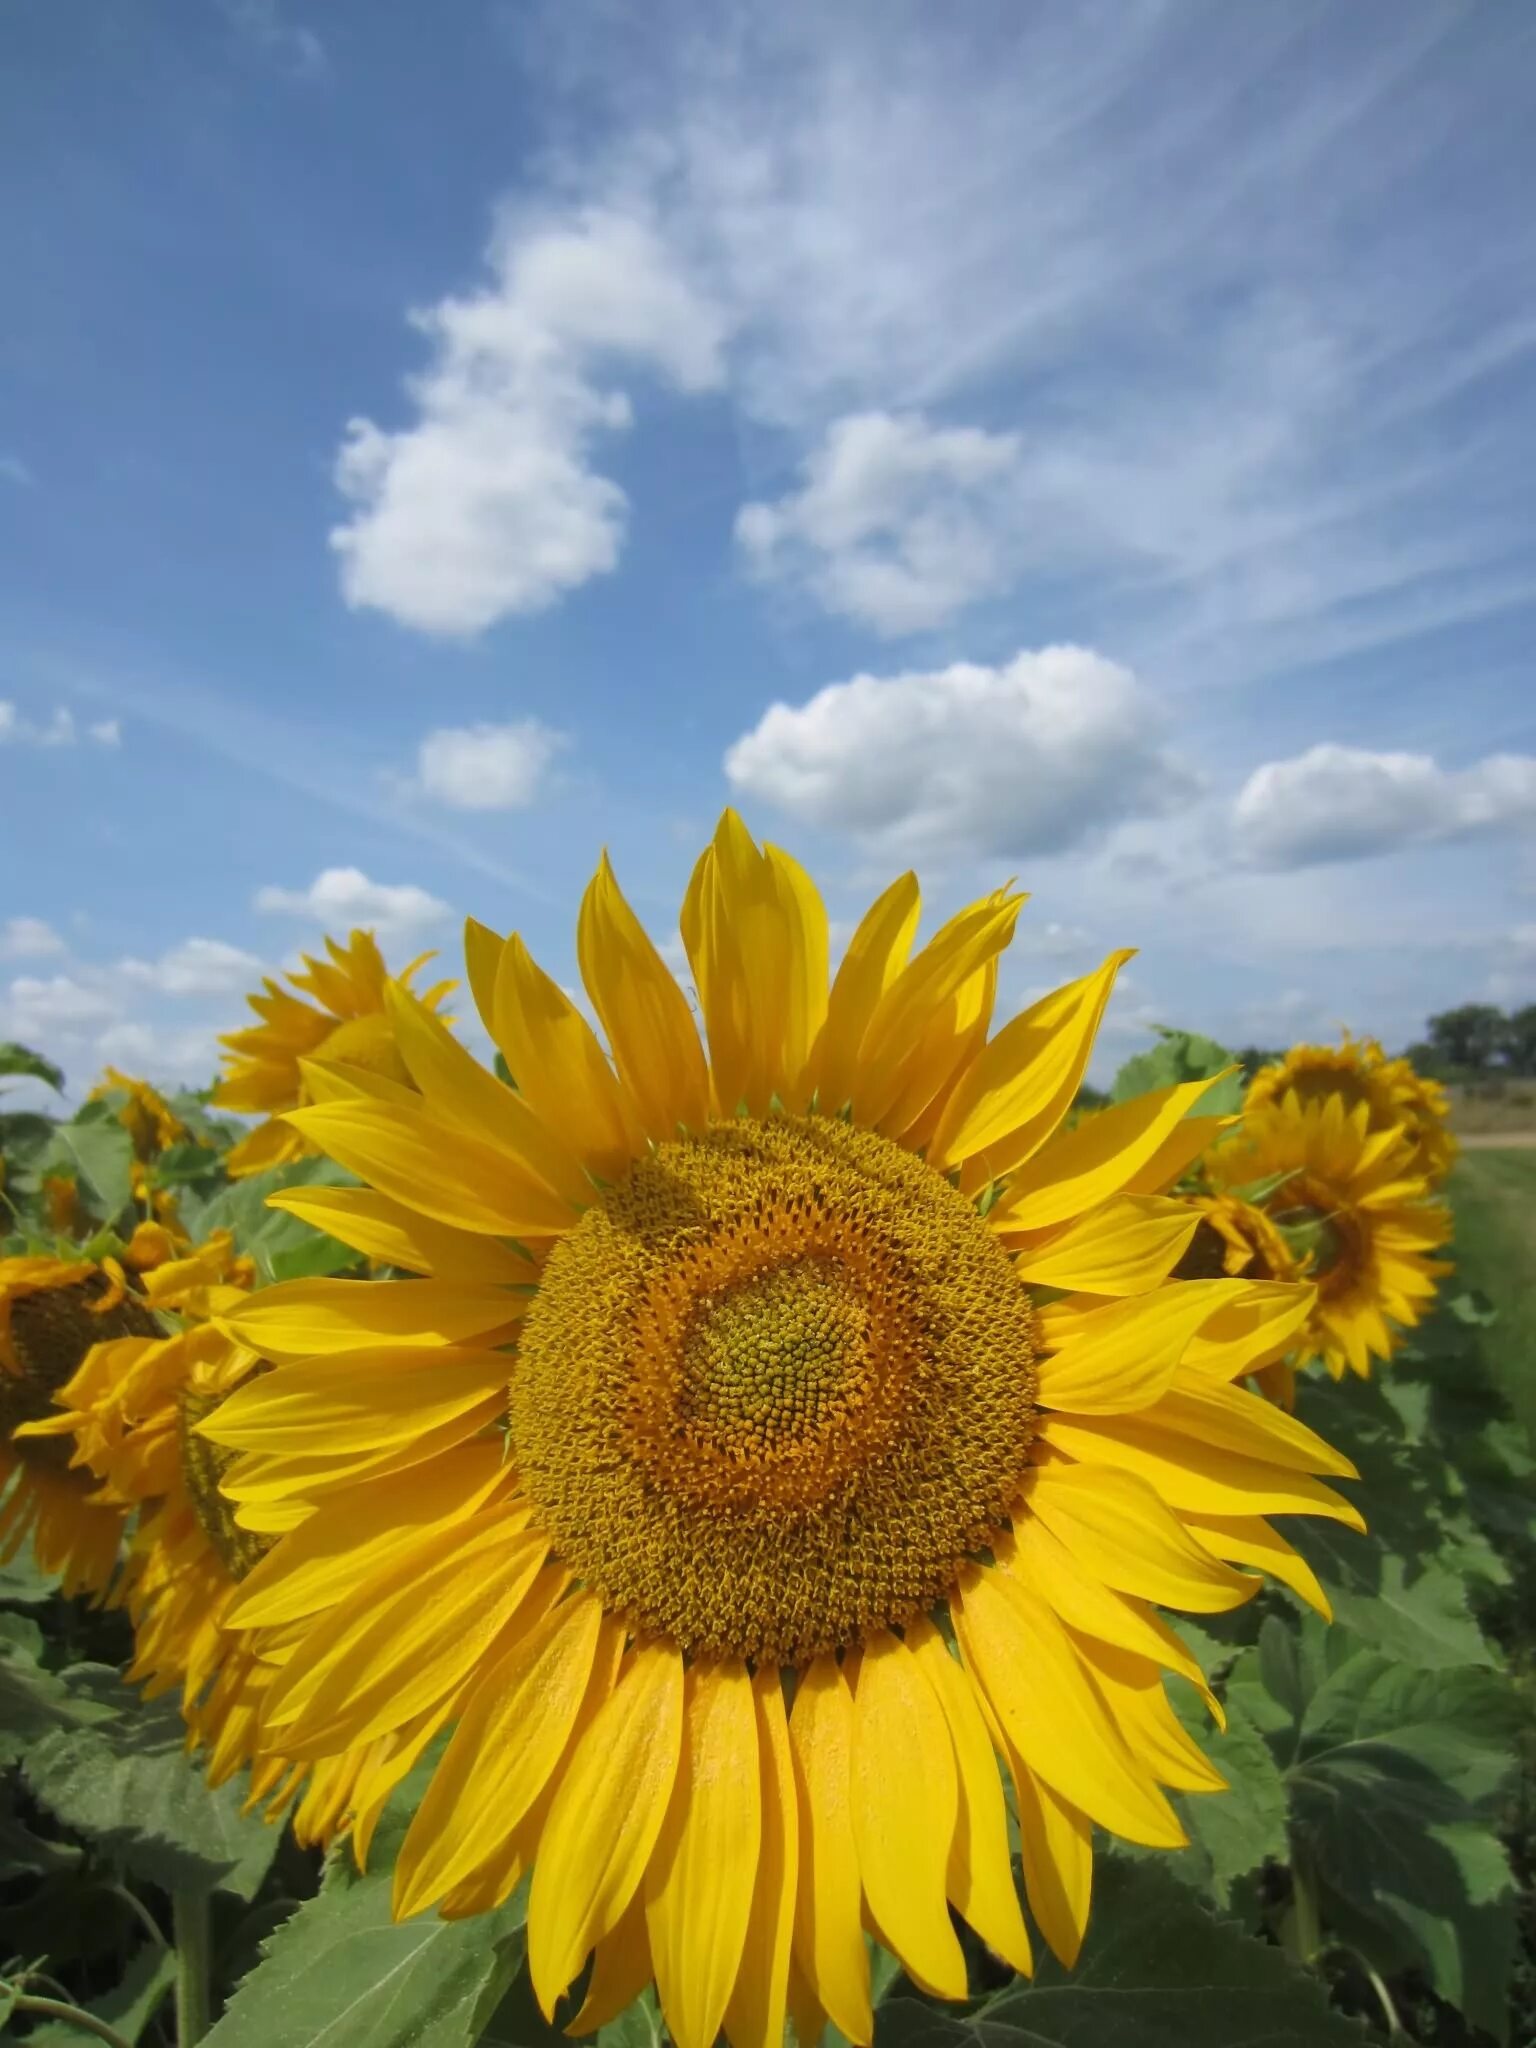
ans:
x=1249 y=1540
x=1232 y=1419
x=829 y=1935
x=1128 y=1246
x=605 y=1819
x=699 y=1882
x=1056 y=1848
x=754 y=2018
x=1123 y=1356
x=1191 y=1475
x=904 y=1801
x=1133 y=1690
x=1113 y=1524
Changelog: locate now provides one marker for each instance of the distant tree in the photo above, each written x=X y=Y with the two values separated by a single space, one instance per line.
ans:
x=1519 y=1040
x=1251 y=1057
x=1470 y=1037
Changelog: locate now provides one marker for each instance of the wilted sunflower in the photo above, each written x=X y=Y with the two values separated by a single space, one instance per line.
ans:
x=153 y=1127
x=1353 y=1203
x=1358 y=1070
x=127 y=1417
x=810 y=1508
x=52 y=1311
x=347 y=1023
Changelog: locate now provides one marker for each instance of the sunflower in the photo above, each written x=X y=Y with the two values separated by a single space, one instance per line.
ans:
x=52 y=1312
x=143 y=1112
x=1395 y=1095
x=347 y=1022
x=1352 y=1202
x=778 y=1444
x=129 y=1410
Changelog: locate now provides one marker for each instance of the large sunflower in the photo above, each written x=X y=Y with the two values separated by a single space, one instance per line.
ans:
x=1395 y=1094
x=52 y=1311
x=126 y=1416
x=347 y=1022
x=849 y=1427
x=1352 y=1197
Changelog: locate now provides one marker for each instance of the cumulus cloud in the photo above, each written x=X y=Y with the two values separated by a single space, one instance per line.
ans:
x=197 y=967
x=487 y=767
x=38 y=1006
x=62 y=730
x=1030 y=758
x=488 y=505
x=185 y=1055
x=28 y=938
x=1346 y=803
x=899 y=525
x=340 y=898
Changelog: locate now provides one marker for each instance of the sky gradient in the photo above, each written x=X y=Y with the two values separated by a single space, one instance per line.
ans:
x=1091 y=445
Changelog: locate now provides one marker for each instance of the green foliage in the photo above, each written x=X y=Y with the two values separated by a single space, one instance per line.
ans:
x=1157 y=1970
x=21 y=1061
x=96 y=1153
x=283 y=1246
x=1181 y=1056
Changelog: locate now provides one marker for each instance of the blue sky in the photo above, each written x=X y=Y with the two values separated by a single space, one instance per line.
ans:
x=1089 y=444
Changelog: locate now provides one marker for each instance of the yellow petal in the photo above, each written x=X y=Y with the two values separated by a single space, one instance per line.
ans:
x=895 y=1037
x=1024 y=1083
x=1079 y=1169
x=1248 y=1539
x=344 y=1541
x=355 y=1400
x=1115 y=1525
x=1132 y=1689
x=605 y=1819
x=386 y=1230
x=406 y=1636
x=1056 y=1848
x=407 y=1153
x=698 y=1884
x=1129 y=1246
x=1021 y=1655
x=1191 y=1475
x=1248 y=1333
x=904 y=1800
x=754 y=2018
x=301 y=1318
x=954 y=1037
x=621 y=1969
x=482 y=963
x=459 y=1089
x=980 y=1873
x=876 y=954
x=1185 y=1143
x=1124 y=1356
x=829 y=1935
x=511 y=1734
x=336 y=1080
x=1234 y=1420
x=562 y=1071
x=275 y=1490
x=645 y=1014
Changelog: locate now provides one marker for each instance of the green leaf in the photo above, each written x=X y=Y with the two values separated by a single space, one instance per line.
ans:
x=268 y=1235
x=96 y=1152
x=341 y=1972
x=187 y=1163
x=34 y=1702
x=1157 y=1971
x=1181 y=1056
x=24 y=1583
x=127 y=1781
x=20 y=1059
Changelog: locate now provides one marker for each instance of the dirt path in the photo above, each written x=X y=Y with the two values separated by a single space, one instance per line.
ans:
x=1495 y=1141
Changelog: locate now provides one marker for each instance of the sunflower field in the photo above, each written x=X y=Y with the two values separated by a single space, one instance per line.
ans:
x=768 y=1508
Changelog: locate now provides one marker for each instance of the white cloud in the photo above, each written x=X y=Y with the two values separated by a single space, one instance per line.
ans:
x=488 y=506
x=197 y=967
x=341 y=898
x=29 y=938
x=262 y=24
x=1346 y=803
x=487 y=767
x=61 y=730
x=1030 y=758
x=39 y=1007
x=899 y=525
x=187 y=1055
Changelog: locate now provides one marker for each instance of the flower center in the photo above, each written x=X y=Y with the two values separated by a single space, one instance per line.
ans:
x=775 y=1389
x=51 y=1330
x=203 y=1465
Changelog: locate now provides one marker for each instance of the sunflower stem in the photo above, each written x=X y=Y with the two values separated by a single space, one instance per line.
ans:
x=190 y=1925
x=1305 y=1932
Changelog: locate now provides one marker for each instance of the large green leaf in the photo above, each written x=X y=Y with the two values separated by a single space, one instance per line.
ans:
x=341 y=1972
x=1181 y=1056
x=21 y=1060
x=1157 y=1971
x=126 y=1780
x=95 y=1151
x=127 y=2008
x=34 y=1702
x=1394 y=1773
x=278 y=1242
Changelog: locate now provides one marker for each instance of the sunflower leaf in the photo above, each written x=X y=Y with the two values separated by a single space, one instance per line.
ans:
x=95 y=1151
x=1178 y=1057
x=21 y=1060
x=1157 y=1969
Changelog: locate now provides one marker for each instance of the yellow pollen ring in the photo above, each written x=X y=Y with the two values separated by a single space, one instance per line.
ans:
x=775 y=1389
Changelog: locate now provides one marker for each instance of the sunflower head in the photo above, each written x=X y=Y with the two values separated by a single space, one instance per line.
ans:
x=785 y=1436
x=1349 y=1203
x=334 y=1010
x=143 y=1113
x=1358 y=1072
